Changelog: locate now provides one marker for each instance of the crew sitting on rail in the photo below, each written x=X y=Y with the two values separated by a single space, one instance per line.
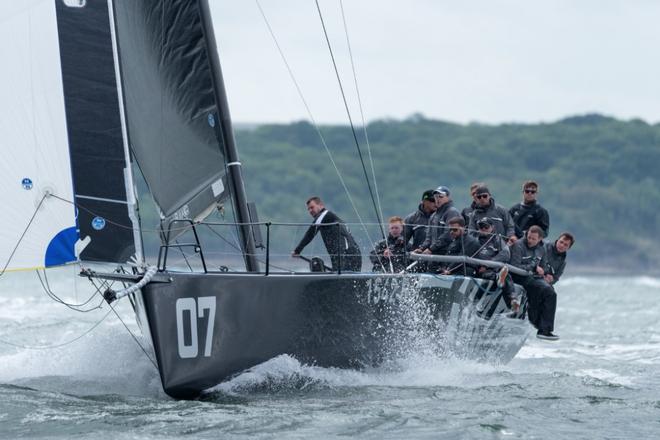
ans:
x=461 y=244
x=437 y=238
x=528 y=254
x=554 y=260
x=389 y=255
x=416 y=222
x=494 y=248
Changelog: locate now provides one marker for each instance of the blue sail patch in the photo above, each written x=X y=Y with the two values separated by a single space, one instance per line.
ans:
x=61 y=248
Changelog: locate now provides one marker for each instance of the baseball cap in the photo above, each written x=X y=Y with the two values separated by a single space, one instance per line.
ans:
x=428 y=195
x=481 y=190
x=441 y=190
x=484 y=221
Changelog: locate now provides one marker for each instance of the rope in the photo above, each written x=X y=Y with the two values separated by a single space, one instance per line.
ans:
x=148 y=275
x=76 y=307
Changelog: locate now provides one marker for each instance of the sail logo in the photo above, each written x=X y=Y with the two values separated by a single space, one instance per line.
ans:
x=75 y=3
x=211 y=120
x=98 y=223
x=182 y=214
x=27 y=183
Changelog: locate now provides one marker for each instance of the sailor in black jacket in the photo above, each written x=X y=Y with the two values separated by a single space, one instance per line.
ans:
x=461 y=244
x=437 y=237
x=486 y=207
x=416 y=222
x=529 y=212
x=554 y=260
x=389 y=255
x=492 y=247
x=339 y=242
x=527 y=254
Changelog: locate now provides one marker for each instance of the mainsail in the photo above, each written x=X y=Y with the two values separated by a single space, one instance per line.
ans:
x=171 y=111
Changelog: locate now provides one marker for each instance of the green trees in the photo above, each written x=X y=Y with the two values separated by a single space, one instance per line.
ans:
x=598 y=175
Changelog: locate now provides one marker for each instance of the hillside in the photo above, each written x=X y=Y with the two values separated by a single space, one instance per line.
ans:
x=598 y=175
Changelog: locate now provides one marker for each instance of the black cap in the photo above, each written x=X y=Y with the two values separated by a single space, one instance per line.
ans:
x=428 y=195
x=481 y=190
x=484 y=221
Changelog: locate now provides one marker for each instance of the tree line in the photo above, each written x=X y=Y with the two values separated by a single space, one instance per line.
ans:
x=598 y=175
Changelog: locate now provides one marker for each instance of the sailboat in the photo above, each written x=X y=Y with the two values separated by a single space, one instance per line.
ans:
x=98 y=92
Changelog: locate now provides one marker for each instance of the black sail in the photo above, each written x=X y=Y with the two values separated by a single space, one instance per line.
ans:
x=98 y=159
x=171 y=113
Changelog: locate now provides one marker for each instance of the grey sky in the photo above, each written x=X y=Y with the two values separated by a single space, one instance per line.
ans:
x=486 y=61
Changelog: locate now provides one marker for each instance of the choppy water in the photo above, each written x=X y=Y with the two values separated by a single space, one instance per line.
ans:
x=601 y=380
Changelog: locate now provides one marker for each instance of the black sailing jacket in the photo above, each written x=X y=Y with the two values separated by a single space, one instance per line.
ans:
x=337 y=238
x=415 y=227
x=553 y=262
x=524 y=216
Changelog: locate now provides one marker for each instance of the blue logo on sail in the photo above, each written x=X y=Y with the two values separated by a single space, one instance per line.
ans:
x=211 y=119
x=27 y=183
x=98 y=223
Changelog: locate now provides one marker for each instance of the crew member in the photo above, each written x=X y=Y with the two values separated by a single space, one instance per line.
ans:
x=529 y=212
x=338 y=241
x=389 y=255
x=554 y=260
x=416 y=222
x=527 y=254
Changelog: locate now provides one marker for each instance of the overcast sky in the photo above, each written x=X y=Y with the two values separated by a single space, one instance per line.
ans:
x=486 y=61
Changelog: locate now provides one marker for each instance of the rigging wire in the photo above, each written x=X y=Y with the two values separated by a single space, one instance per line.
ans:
x=134 y=337
x=350 y=119
x=183 y=254
x=236 y=247
x=124 y=324
x=359 y=100
x=316 y=126
x=34 y=214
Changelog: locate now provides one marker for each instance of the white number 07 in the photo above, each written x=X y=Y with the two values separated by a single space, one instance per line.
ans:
x=196 y=310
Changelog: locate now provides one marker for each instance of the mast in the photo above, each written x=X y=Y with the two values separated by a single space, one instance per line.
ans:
x=235 y=175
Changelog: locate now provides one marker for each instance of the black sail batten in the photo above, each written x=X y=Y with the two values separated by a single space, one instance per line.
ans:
x=226 y=131
x=98 y=159
x=171 y=113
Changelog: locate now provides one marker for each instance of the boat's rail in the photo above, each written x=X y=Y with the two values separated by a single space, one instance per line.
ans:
x=211 y=247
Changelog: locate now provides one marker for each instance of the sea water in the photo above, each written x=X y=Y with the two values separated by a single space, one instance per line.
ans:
x=601 y=380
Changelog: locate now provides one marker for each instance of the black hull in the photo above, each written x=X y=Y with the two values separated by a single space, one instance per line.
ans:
x=346 y=321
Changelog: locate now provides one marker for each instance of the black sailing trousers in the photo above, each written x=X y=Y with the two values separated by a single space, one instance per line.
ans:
x=542 y=302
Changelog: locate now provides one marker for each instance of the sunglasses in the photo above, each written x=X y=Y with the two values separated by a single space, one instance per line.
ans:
x=530 y=191
x=483 y=196
x=484 y=226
